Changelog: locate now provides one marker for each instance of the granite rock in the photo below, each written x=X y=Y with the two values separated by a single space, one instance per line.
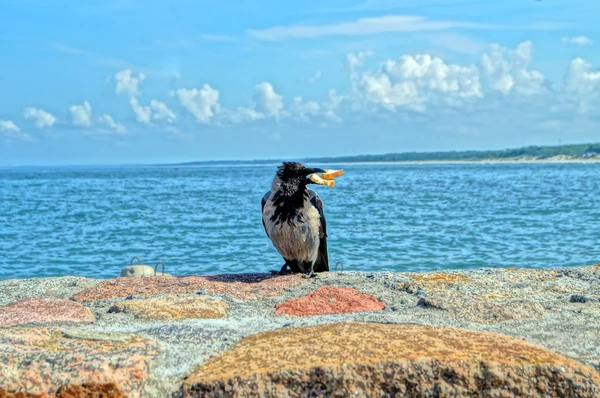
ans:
x=45 y=361
x=371 y=359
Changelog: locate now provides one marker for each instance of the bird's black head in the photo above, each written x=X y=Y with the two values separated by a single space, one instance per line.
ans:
x=293 y=176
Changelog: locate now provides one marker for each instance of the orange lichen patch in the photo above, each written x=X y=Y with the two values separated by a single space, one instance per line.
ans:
x=87 y=390
x=46 y=361
x=440 y=277
x=330 y=300
x=498 y=296
x=370 y=359
x=242 y=286
x=433 y=281
x=90 y=390
x=173 y=308
x=44 y=310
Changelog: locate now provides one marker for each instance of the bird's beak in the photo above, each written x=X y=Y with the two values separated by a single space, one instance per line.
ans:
x=313 y=178
x=313 y=171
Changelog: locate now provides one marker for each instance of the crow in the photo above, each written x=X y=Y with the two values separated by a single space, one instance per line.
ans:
x=293 y=219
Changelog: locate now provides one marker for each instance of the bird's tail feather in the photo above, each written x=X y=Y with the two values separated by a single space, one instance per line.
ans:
x=322 y=263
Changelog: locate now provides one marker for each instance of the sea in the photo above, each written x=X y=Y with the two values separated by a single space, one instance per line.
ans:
x=91 y=221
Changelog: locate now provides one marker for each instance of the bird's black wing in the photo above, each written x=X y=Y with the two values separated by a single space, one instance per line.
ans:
x=262 y=205
x=322 y=263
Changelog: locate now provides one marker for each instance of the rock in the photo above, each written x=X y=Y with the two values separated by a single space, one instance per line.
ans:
x=370 y=359
x=241 y=286
x=62 y=287
x=44 y=361
x=44 y=310
x=577 y=298
x=481 y=310
x=330 y=300
x=173 y=308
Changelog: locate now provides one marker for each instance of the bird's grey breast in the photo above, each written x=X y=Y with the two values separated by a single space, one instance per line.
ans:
x=294 y=237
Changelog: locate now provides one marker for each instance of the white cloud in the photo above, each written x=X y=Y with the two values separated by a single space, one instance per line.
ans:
x=578 y=40
x=414 y=81
x=7 y=126
x=508 y=71
x=241 y=114
x=109 y=122
x=267 y=101
x=42 y=118
x=202 y=103
x=361 y=27
x=127 y=83
x=581 y=78
x=408 y=89
x=81 y=115
x=302 y=110
x=330 y=108
x=267 y=104
x=355 y=60
x=142 y=113
x=160 y=111
x=9 y=130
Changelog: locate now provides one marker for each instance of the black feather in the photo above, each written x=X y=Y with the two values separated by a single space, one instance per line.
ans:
x=322 y=263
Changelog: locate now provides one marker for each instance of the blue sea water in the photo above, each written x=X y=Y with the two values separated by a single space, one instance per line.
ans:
x=91 y=221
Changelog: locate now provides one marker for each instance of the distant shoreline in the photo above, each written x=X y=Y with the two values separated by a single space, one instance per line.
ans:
x=574 y=153
x=391 y=162
x=592 y=160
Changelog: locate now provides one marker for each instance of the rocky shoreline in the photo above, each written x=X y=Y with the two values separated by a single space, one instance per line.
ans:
x=483 y=332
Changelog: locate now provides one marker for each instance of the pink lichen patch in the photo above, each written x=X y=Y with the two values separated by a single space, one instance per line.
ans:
x=44 y=310
x=330 y=300
x=241 y=286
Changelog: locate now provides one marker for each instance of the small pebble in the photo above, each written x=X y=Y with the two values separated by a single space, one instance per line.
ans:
x=577 y=298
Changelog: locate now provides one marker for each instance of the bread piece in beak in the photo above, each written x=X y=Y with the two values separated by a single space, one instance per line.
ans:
x=318 y=180
x=329 y=174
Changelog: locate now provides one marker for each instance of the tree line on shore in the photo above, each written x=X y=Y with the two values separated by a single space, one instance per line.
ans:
x=575 y=151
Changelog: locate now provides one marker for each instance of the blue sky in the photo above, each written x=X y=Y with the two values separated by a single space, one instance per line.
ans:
x=129 y=81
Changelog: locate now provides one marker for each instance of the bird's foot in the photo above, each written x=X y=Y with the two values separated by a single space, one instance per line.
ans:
x=310 y=274
x=283 y=271
x=275 y=272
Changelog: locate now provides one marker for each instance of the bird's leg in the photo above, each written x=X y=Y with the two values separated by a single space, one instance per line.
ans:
x=282 y=271
x=311 y=273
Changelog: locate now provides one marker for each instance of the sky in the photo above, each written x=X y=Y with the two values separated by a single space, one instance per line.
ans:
x=132 y=81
